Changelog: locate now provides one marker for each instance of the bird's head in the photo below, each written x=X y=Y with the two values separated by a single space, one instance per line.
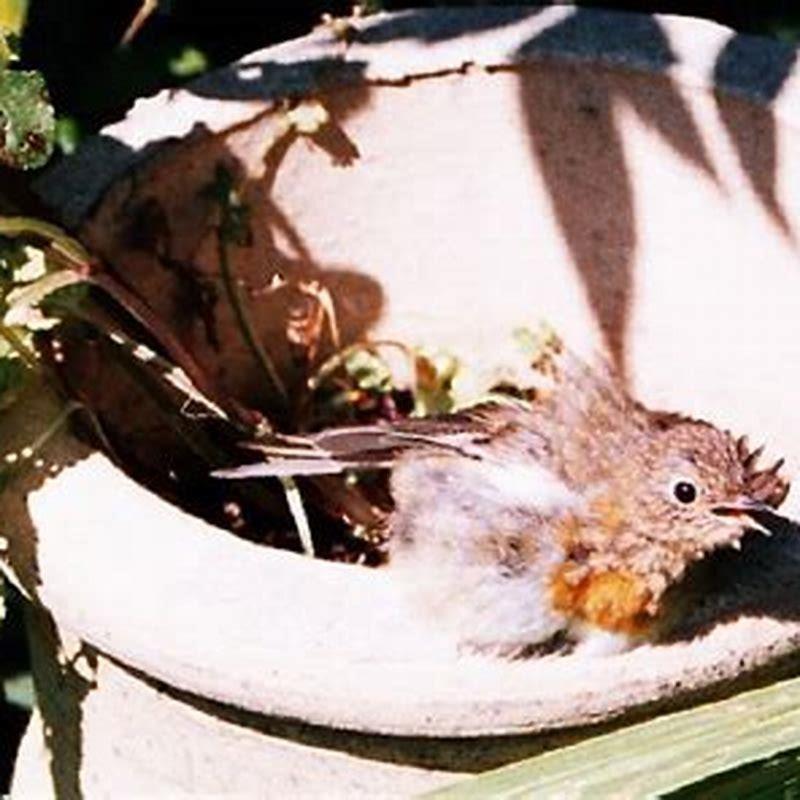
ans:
x=678 y=490
x=696 y=489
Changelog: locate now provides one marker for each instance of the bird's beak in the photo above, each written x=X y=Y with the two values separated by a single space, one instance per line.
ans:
x=760 y=516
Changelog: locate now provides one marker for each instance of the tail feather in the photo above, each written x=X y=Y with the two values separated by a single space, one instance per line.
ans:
x=290 y=467
x=360 y=447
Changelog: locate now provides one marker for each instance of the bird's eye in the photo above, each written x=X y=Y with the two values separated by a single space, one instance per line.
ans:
x=684 y=491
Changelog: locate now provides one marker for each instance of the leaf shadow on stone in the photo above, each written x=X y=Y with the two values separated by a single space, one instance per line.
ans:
x=568 y=110
x=749 y=74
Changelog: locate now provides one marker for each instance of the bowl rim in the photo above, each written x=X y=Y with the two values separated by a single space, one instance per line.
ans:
x=466 y=697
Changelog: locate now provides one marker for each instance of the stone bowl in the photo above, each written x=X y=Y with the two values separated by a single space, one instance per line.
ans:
x=634 y=180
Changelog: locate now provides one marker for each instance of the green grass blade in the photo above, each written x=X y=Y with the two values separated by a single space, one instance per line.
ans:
x=656 y=757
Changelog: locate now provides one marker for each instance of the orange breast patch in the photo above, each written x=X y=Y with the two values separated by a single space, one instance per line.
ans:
x=615 y=601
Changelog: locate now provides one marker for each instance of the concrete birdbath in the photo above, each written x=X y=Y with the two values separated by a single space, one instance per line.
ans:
x=632 y=179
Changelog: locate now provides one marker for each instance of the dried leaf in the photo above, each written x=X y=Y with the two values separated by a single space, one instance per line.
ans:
x=434 y=383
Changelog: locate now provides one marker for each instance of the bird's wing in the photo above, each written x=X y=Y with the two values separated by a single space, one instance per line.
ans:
x=362 y=447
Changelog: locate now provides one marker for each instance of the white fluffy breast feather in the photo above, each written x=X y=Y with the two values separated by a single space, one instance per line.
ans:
x=453 y=519
x=531 y=485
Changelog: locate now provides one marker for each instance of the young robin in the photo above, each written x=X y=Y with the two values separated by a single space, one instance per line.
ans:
x=569 y=517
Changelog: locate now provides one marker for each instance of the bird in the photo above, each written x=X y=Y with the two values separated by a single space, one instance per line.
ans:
x=568 y=519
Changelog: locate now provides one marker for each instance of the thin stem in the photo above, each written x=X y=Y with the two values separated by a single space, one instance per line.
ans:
x=331 y=364
x=243 y=320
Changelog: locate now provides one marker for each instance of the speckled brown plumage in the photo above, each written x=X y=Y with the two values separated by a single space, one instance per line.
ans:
x=515 y=523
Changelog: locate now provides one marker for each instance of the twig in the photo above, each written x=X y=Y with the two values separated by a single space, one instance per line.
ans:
x=144 y=13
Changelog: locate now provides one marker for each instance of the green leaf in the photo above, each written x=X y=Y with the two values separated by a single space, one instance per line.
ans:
x=656 y=757
x=27 y=123
x=777 y=777
x=12 y=20
x=368 y=371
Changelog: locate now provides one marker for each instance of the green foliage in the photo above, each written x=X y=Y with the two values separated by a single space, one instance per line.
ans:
x=188 y=62
x=368 y=372
x=27 y=122
x=17 y=261
x=9 y=47
x=68 y=135
x=38 y=262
